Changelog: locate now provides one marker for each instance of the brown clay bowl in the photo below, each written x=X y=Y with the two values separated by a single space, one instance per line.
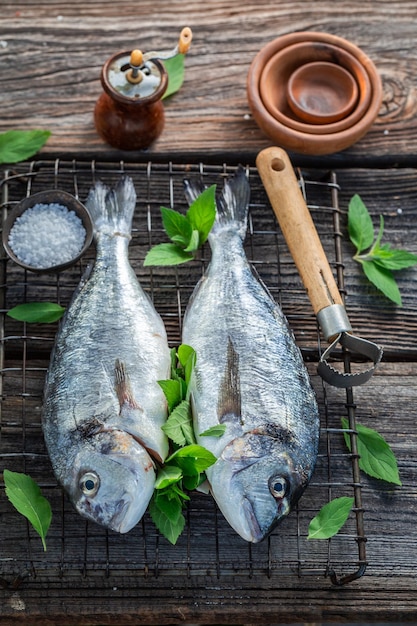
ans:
x=276 y=76
x=50 y=196
x=322 y=92
x=305 y=141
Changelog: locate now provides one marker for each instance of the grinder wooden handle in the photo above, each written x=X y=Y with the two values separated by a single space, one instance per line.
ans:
x=297 y=226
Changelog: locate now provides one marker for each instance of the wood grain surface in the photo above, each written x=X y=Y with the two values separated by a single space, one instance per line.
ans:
x=52 y=53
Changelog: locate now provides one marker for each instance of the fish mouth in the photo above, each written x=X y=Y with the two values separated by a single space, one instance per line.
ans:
x=254 y=530
x=121 y=521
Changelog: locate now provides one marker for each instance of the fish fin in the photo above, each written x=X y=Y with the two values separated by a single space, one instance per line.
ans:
x=232 y=204
x=261 y=282
x=112 y=209
x=229 y=403
x=123 y=387
x=192 y=189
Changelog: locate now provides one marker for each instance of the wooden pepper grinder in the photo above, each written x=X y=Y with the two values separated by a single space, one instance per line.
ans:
x=129 y=114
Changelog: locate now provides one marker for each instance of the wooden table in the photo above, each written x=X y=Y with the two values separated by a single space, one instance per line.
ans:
x=51 y=55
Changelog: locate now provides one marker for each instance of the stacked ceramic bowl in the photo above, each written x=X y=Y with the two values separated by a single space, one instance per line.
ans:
x=313 y=93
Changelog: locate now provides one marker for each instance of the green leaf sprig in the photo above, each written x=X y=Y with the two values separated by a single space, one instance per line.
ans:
x=378 y=260
x=25 y=495
x=37 y=312
x=175 y=68
x=375 y=459
x=187 y=232
x=375 y=455
x=330 y=519
x=184 y=469
x=18 y=145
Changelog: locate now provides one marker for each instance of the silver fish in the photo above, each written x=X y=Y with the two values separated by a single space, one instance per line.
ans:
x=250 y=376
x=103 y=409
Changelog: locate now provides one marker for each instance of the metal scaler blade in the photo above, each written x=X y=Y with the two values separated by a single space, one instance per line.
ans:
x=297 y=226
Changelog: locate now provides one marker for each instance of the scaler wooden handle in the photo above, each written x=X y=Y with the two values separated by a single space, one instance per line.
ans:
x=297 y=226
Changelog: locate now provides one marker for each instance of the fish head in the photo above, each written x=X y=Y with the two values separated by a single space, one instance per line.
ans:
x=256 y=481
x=112 y=480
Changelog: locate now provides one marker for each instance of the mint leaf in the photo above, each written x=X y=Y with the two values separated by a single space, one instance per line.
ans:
x=360 y=227
x=375 y=455
x=173 y=392
x=202 y=212
x=194 y=242
x=187 y=357
x=176 y=71
x=383 y=280
x=330 y=519
x=214 y=431
x=178 y=426
x=18 y=145
x=166 y=514
x=177 y=226
x=37 y=312
x=168 y=475
x=192 y=458
x=393 y=258
x=26 y=497
x=167 y=254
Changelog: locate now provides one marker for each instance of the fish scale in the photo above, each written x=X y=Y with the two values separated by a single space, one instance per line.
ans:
x=250 y=376
x=103 y=408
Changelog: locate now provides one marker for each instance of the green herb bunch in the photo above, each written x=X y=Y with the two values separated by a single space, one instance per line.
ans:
x=184 y=469
x=378 y=260
x=187 y=232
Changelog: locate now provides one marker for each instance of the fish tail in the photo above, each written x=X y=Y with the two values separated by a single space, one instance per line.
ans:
x=232 y=203
x=112 y=209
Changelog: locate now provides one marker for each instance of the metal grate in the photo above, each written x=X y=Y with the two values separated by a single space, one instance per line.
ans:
x=208 y=546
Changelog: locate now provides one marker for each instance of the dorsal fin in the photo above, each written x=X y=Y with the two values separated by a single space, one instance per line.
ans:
x=229 y=402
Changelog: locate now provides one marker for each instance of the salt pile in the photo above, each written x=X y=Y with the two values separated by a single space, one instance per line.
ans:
x=47 y=235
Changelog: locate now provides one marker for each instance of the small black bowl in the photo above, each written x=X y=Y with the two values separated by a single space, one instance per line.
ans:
x=51 y=196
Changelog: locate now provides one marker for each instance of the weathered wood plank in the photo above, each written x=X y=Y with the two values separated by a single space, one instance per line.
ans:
x=52 y=55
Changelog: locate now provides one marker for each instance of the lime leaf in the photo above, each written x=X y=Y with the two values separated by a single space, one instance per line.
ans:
x=176 y=70
x=192 y=459
x=383 y=280
x=392 y=258
x=214 y=431
x=18 y=145
x=37 y=312
x=173 y=392
x=360 y=227
x=26 y=497
x=166 y=514
x=177 y=227
x=202 y=212
x=375 y=455
x=167 y=475
x=330 y=519
x=167 y=254
x=178 y=426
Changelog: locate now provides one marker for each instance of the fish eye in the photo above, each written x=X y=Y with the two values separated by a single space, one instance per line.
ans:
x=89 y=484
x=278 y=486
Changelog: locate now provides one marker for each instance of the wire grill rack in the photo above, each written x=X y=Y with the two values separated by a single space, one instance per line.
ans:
x=208 y=546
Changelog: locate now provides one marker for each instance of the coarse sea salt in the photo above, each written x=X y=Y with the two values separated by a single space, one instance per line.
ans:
x=47 y=235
